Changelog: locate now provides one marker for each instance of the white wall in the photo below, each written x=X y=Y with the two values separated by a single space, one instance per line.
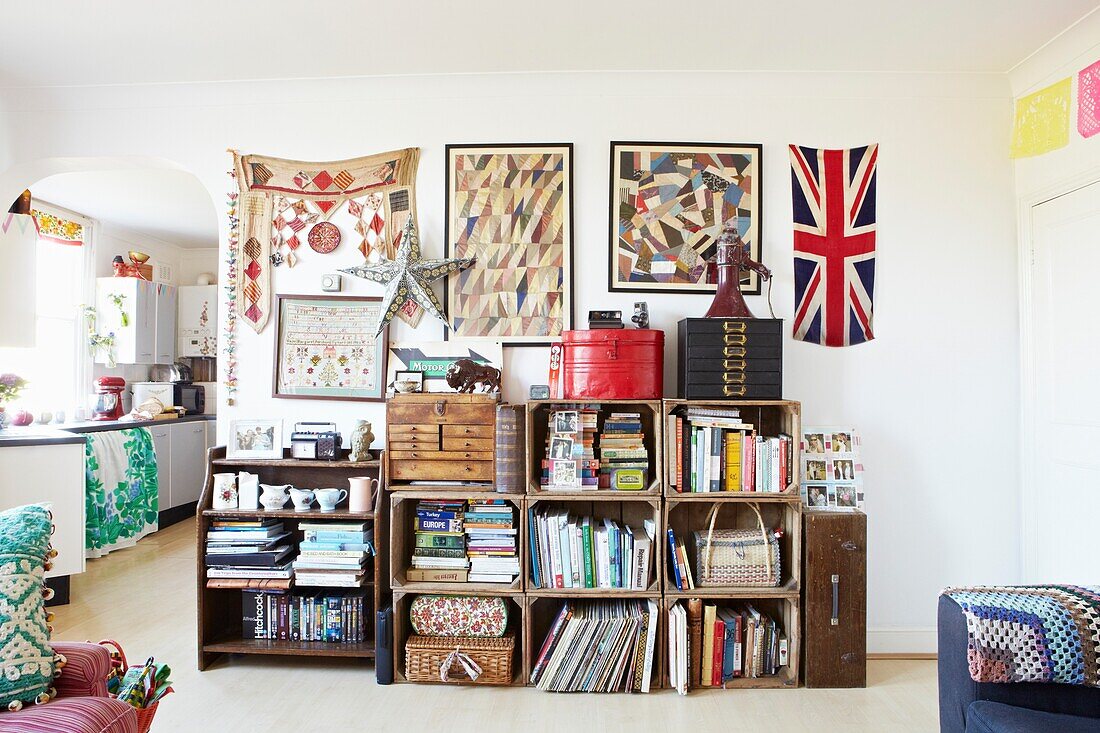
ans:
x=935 y=394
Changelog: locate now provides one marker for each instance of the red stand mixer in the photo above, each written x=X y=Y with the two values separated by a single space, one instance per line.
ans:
x=108 y=403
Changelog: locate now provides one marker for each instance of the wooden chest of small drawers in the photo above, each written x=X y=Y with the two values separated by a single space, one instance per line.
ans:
x=729 y=358
x=441 y=437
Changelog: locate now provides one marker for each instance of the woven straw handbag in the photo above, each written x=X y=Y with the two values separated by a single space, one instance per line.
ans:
x=736 y=557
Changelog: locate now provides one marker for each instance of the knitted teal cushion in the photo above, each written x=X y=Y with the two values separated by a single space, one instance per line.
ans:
x=26 y=657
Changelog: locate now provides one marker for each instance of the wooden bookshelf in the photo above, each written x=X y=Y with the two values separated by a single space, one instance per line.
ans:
x=402 y=541
x=543 y=610
x=686 y=516
x=769 y=417
x=626 y=508
x=402 y=629
x=538 y=412
x=785 y=610
x=219 y=609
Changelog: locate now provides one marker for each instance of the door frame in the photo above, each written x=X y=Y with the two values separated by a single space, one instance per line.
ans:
x=1028 y=498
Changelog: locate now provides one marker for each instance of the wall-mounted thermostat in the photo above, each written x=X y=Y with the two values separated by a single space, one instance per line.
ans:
x=331 y=283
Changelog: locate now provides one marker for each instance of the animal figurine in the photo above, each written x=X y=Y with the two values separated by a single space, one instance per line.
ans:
x=361 y=438
x=464 y=375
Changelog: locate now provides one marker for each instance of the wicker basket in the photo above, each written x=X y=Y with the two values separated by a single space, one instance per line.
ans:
x=737 y=557
x=450 y=659
x=119 y=665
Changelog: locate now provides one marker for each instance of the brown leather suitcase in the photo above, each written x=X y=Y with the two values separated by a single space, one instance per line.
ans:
x=834 y=598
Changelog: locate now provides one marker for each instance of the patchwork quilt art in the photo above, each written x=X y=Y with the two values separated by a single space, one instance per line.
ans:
x=511 y=208
x=285 y=204
x=669 y=202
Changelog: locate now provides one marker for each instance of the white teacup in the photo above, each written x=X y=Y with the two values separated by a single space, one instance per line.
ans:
x=302 y=498
x=329 y=498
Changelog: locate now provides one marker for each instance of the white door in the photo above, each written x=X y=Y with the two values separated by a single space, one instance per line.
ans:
x=1061 y=432
x=162 y=446
x=188 y=461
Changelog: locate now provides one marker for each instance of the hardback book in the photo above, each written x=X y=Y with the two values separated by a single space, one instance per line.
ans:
x=435 y=575
x=695 y=639
x=437 y=539
x=265 y=558
x=707 y=673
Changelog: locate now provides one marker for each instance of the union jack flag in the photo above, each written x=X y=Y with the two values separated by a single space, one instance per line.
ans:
x=834 y=243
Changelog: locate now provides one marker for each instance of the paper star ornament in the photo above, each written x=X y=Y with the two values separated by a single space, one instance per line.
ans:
x=407 y=277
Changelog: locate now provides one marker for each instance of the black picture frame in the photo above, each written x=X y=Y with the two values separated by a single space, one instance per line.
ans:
x=755 y=285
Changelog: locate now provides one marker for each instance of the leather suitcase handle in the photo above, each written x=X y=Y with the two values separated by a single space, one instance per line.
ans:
x=835 y=620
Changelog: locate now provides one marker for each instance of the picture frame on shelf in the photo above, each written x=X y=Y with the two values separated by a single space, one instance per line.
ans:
x=326 y=348
x=706 y=185
x=257 y=439
x=519 y=291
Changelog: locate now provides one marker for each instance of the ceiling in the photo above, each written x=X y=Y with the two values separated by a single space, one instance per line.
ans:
x=168 y=205
x=134 y=41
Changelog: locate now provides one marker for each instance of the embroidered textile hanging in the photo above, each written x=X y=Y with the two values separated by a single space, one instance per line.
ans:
x=56 y=229
x=281 y=201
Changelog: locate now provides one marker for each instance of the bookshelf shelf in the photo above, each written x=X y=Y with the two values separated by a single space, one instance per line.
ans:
x=289 y=648
x=219 y=609
x=787 y=590
x=785 y=610
x=538 y=412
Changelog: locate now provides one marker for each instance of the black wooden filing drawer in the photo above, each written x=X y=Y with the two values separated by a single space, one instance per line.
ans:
x=730 y=358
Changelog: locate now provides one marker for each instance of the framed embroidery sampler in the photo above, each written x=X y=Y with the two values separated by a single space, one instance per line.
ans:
x=325 y=348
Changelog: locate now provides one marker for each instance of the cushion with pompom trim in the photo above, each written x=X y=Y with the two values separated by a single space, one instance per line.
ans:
x=27 y=661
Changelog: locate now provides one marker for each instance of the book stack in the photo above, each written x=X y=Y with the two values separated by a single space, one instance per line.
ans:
x=569 y=551
x=333 y=554
x=716 y=451
x=624 y=460
x=490 y=529
x=599 y=646
x=337 y=617
x=250 y=553
x=440 y=552
x=570 y=448
x=709 y=645
x=678 y=562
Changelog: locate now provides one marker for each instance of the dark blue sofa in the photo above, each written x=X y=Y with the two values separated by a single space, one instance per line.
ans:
x=967 y=706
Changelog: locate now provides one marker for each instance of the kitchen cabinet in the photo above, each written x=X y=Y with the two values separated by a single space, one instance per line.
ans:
x=198 y=320
x=162 y=446
x=165 y=334
x=188 y=467
x=148 y=309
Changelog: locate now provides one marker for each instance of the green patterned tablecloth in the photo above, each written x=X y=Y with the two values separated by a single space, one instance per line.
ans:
x=120 y=489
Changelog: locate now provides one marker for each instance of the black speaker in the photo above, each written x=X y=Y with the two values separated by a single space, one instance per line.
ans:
x=383 y=646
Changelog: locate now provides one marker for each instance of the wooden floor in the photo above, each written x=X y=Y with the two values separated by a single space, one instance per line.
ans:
x=145 y=598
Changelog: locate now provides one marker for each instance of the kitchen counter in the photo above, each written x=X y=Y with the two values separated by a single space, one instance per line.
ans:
x=11 y=437
x=97 y=426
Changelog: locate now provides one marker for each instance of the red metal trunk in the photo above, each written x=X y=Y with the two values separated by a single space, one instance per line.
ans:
x=613 y=364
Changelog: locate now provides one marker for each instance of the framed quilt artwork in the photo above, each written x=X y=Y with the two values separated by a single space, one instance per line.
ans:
x=511 y=207
x=325 y=348
x=668 y=203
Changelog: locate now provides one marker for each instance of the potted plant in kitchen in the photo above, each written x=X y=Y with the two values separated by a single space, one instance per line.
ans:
x=10 y=387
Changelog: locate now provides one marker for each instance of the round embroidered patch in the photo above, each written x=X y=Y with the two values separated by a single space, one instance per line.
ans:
x=324 y=237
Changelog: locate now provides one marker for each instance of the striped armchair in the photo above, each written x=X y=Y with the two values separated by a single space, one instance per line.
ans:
x=82 y=704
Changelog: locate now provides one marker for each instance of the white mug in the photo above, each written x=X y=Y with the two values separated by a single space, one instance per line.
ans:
x=302 y=498
x=248 y=491
x=329 y=498
x=361 y=493
x=225 y=491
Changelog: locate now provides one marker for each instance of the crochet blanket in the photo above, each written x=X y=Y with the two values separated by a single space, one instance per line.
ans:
x=1039 y=633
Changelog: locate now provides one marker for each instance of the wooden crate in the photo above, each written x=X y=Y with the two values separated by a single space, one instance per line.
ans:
x=685 y=516
x=403 y=541
x=540 y=616
x=219 y=609
x=769 y=417
x=538 y=412
x=402 y=628
x=835 y=560
x=442 y=437
x=784 y=610
x=628 y=508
